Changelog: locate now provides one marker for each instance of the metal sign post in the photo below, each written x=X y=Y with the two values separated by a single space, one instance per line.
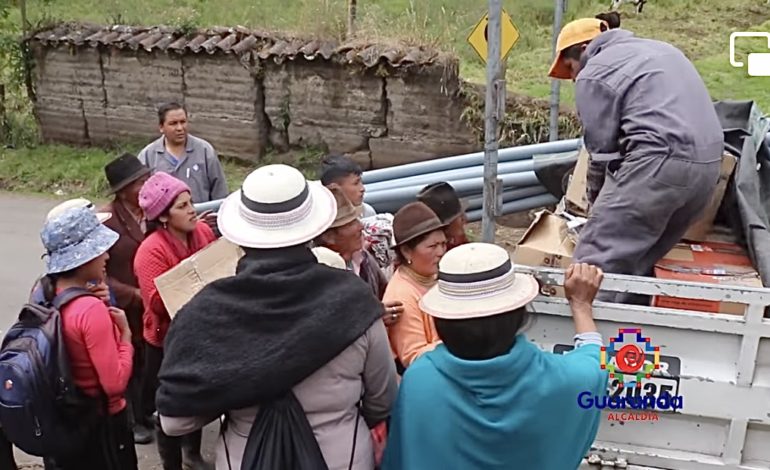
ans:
x=492 y=117
x=558 y=13
x=492 y=38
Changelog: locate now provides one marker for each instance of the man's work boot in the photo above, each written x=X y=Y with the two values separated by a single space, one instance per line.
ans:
x=191 y=449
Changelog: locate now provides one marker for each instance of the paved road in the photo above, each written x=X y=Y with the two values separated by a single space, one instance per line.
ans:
x=20 y=252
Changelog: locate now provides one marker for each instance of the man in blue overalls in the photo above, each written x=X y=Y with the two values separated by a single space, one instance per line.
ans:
x=655 y=143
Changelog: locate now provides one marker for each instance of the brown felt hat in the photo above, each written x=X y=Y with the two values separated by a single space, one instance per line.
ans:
x=346 y=211
x=413 y=220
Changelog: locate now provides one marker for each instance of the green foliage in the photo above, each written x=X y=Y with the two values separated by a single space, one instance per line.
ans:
x=70 y=171
x=53 y=169
x=18 y=126
x=309 y=160
x=186 y=18
x=526 y=120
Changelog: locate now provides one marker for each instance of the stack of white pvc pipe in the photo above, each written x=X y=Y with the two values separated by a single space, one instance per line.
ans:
x=389 y=189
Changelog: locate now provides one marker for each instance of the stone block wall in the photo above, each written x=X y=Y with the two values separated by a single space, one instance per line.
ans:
x=247 y=94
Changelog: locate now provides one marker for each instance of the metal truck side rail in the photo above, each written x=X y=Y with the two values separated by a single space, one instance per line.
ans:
x=718 y=363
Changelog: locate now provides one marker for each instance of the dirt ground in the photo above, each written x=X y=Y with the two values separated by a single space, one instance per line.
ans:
x=509 y=229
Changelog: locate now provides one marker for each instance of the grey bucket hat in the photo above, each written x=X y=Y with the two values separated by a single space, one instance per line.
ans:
x=73 y=238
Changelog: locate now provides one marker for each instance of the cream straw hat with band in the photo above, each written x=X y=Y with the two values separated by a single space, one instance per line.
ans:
x=477 y=280
x=276 y=207
x=329 y=257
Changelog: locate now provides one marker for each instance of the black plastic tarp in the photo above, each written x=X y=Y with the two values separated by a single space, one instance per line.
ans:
x=745 y=209
x=553 y=170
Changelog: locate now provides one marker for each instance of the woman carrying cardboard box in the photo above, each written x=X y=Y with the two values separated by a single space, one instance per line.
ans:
x=174 y=233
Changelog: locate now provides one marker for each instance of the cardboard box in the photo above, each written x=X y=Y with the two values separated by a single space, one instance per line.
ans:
x=577 y=200
x=709 y=262
x=699 y=231
x=545 y=243
x=178 y=285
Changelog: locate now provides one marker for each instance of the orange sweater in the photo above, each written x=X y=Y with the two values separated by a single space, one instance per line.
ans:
x=415 y=333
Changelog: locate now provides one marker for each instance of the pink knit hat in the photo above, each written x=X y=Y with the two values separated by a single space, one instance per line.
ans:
x=158 y=193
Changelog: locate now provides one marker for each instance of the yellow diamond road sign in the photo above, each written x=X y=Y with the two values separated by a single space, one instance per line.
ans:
x=508 y=38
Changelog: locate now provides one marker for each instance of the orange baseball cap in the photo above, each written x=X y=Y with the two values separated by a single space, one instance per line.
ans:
x=574 y=32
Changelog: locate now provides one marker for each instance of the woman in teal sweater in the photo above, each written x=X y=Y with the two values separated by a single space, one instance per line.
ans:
x=488 y=398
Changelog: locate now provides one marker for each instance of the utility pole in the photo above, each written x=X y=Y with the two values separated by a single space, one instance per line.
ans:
x=23 y=11
x=494 y=107
x=352 y=11
x=558 y=13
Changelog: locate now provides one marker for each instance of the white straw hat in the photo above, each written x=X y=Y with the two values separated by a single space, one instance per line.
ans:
x=329 y=257
x=276 y=207
x=477 y=280
x=79 y=202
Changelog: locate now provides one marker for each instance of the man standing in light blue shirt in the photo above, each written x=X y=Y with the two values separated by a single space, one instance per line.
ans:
x=188 y=158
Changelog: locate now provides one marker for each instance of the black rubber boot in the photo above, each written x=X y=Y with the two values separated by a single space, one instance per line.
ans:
x=142 y=434
x=169 y=449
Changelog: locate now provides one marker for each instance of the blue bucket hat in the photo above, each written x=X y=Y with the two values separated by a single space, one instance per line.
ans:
x=73 y=238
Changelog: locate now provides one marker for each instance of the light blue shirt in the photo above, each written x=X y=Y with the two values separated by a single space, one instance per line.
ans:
x=199 y=167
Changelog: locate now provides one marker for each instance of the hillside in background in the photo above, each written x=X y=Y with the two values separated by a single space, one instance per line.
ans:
x=700 y=27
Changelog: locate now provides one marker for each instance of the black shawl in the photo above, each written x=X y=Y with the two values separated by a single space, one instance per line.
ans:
x=248 y=339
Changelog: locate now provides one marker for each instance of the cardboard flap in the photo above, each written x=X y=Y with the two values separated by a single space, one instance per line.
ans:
x=548 y=233
x=178 y=285
x=679 y=253
x=532 y=227
x=700 y=229
x=577 y=200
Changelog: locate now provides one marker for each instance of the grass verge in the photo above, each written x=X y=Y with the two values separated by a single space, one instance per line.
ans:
x=62 y=171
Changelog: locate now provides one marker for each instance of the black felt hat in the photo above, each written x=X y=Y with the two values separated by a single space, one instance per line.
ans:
x=123 y=171
x=442 y=199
